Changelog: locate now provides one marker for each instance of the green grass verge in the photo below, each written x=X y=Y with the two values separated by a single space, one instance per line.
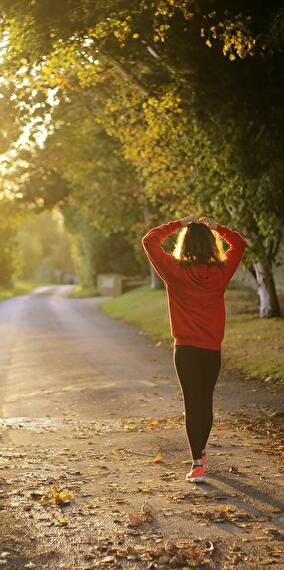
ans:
x=19 y=288
x=81 y=293
x=251 y=344
x=142 y=306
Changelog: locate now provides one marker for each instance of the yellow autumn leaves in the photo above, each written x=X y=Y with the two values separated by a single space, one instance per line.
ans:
x=56 y=497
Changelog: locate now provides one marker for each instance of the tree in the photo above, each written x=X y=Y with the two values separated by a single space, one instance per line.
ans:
x=44 y=248
x=9 y=255
x=94 y=251
x=193 y=95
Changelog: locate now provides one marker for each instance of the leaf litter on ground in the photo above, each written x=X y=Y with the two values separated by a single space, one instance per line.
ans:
x=144 y=424
x=143 y=516
x=228 y=514
x=53 y=496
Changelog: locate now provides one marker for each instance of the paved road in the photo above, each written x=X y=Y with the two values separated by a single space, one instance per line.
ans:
x=55 y=347
x=91 y=405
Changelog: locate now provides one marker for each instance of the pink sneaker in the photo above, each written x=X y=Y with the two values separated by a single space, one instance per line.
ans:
x=196 y=475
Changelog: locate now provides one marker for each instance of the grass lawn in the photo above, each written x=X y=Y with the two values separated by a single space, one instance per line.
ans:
x=19 y=288
x=252 y=344
x=80 y=293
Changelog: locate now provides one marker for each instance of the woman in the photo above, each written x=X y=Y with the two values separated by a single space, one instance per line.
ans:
x=196 y=276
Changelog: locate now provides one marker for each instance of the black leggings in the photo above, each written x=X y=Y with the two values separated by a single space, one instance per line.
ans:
x=197 y=371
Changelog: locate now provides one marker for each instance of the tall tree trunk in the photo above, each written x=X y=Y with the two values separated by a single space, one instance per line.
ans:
x=156 y=281
x=268 y=300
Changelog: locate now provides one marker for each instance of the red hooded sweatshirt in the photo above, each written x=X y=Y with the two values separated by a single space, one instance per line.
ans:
x=195 y=293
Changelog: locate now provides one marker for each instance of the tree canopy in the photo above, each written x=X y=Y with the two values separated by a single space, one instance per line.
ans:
x=150 y=109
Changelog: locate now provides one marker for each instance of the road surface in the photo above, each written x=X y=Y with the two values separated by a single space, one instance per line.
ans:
x=92 y=408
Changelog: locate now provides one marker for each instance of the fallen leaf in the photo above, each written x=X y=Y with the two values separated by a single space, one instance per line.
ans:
x=135 y=518
x=157 y=458
x=152 y=423
x=141 y=517
x=129 y=426
x=63 y=521
x=36 y=494
x=56 y=497
x=194 y=552
x=209 y=546
x=61 y=498
x=108 y=559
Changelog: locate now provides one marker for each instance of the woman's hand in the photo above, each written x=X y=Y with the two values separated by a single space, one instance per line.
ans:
x=209 y=221
x=187 y=219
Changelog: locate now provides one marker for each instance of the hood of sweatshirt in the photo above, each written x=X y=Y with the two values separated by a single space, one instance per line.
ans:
x=204 y=275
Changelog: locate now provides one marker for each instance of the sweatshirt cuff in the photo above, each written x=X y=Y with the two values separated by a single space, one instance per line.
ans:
x=171 y=226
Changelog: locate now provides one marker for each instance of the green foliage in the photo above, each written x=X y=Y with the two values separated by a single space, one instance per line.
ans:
x=81 y=293
x=95 y=252
x=170 y=104
x=9 y=255
x=20 y=288
x=45 y=249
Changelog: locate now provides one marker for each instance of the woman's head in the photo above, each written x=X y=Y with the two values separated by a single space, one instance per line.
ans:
x=198 y=244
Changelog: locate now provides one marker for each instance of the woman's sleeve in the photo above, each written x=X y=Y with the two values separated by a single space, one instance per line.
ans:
x=235 y=252
x=164 y=263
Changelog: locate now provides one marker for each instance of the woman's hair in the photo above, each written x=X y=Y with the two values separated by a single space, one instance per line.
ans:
x=198 y=244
